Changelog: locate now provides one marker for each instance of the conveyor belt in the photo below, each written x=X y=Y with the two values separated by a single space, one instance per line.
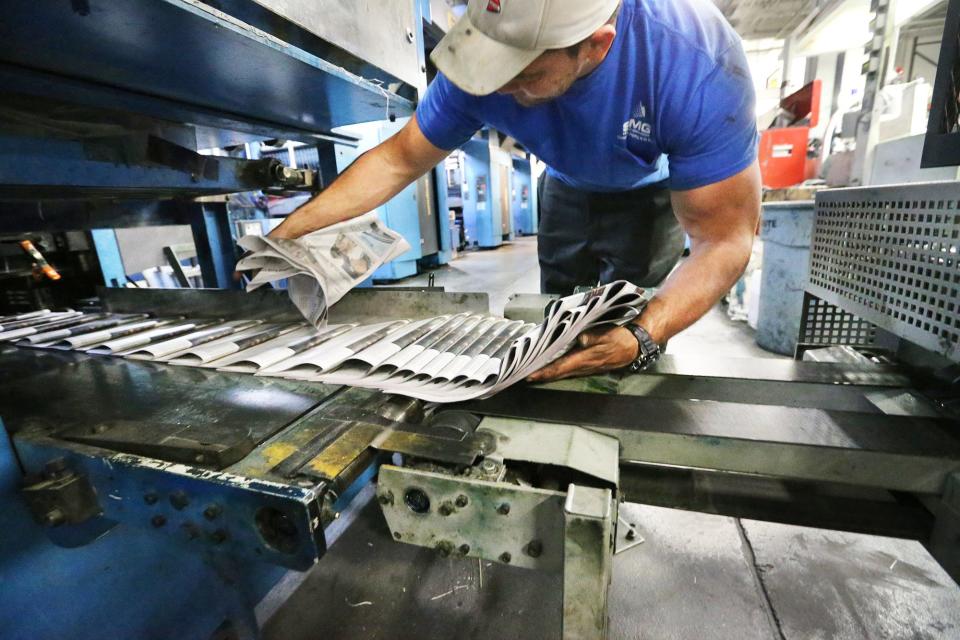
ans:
x=839 y=429
x=171 y=413
x=781 y=370
x=890 y=452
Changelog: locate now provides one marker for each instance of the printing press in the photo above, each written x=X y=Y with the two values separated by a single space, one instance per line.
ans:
x=212 y=486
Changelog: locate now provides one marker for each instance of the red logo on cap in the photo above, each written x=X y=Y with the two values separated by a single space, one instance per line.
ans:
x=493 y=6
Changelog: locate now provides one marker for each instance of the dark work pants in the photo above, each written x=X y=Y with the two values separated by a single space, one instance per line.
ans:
x=587 y=237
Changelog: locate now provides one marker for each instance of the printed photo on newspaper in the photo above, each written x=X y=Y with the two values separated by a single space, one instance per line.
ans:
x=321 y=267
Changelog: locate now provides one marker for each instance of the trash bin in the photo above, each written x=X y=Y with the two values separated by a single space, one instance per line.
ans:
x=786 y=231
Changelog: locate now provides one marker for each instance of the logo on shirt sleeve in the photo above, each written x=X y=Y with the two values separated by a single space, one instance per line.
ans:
x=493 y=6
x=637 y=128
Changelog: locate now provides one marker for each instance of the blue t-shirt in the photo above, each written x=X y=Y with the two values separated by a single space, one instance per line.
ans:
x=675 y=85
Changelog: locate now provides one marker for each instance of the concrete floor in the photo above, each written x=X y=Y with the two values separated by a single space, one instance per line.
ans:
x=697 y=576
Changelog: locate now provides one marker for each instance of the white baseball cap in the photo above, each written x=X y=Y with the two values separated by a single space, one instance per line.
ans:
x=496 y=39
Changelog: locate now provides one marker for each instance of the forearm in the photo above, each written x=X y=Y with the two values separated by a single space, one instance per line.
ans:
x=693 y=288
x=368 y=183
x=374 y=178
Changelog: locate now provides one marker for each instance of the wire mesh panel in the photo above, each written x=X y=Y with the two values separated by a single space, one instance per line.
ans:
x=889 y=255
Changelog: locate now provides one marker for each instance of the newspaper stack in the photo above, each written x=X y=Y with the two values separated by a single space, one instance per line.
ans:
x=321 y=267
x=459 y=357
x=443 y=359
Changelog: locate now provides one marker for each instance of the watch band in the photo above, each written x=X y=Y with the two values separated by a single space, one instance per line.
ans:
x=649 y=351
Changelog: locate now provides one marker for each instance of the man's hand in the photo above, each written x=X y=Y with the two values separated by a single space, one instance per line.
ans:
x=599 y=351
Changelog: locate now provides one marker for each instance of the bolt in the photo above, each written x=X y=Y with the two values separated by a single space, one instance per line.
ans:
x=386 y=498
x=54 y=518
x=179 y=500
x=55 y=467
x=219 y=536
x=409 y=35
x=505 y=557
x=212 y=512
x=158 y=520
x=462 y=501
x=396 y=535
x=150 y=498
x=446 y=508
x=534 y=548
x=464 y=549
x=489 y=466
x=445 y=547
x=503 y=509
x=631 y=534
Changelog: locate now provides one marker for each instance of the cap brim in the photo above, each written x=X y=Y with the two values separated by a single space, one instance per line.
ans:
x=477 y=63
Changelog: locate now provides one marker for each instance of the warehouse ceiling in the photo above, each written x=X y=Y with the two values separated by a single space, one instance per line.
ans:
x=754 y=19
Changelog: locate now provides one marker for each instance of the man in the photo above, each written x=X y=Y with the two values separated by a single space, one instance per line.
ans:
x=643 y=111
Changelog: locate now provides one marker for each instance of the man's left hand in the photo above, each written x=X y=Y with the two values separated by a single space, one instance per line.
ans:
x=599 y=351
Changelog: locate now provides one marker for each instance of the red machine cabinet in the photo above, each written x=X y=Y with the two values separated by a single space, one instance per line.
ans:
x=783 y=150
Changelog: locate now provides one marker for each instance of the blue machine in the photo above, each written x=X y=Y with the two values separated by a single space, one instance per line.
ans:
x=114 y=103
x=119 y=586
x=523 y=199
x=481 y=214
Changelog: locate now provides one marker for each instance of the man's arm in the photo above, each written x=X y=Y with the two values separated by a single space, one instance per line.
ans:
x=721 y=220
x=375 y=177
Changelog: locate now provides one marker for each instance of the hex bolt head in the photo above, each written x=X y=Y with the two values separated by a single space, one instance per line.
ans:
x=505 y=557
x=179 y=500
x=445 y=547
x=158 y=520
x=503 y=509
x=534 y=548
x=446 y=508
x=396 y=535
x=462 y=501
x=631 y=534
x=489 y=466
x=151 y=498
x=212 y=512
x=386 y=498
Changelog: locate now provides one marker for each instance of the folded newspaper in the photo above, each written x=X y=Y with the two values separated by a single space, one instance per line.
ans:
x=321 y=267
x=443 y=359
x=458 y=357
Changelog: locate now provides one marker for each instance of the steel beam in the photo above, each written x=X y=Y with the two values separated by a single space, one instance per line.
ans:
x=888 y=452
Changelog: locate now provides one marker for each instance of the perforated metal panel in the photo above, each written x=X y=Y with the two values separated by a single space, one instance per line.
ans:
x=889 y=255
x=826 y=324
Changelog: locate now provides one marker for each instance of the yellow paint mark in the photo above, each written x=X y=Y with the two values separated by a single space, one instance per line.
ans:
x=332 y=461
x=276 y=453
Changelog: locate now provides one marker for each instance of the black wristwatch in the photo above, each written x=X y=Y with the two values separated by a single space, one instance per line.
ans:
x=649 y=351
